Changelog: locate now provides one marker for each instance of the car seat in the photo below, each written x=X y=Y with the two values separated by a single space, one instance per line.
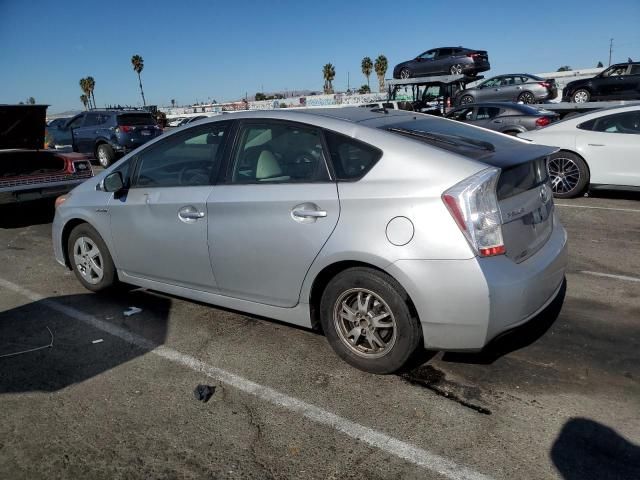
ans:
x=268 y=168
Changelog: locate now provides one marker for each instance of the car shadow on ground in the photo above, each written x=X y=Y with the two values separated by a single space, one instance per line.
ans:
x=586 y=449
x=80 y=351
x=614 y=194
x=20 y=215
x=514 y=339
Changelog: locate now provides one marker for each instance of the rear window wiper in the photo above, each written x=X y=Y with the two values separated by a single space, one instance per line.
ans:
x=453 y=140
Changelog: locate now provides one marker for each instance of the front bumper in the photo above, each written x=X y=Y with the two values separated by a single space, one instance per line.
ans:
x=464 y=304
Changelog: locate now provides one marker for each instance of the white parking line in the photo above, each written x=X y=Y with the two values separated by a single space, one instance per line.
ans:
x=598 y=208
x=611 y=275
x=406 y=451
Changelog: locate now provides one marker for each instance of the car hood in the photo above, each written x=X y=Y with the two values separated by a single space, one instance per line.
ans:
x=578 y=83
x=22 y=126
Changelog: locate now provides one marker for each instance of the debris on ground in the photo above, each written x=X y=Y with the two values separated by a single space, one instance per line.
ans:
x=204 y=392
x=132 y=311
x=22 y=352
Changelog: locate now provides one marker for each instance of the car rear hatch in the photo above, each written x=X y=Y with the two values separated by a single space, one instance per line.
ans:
x=479 y=56
x=522 y=190
x=138 y=127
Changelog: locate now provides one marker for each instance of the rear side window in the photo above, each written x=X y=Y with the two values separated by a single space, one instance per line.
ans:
x=635 y=70
x=485 y=113
x=136 y=119
x=351 y=159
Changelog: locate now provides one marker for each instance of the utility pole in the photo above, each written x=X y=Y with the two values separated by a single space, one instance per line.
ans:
x=610 y=49
x=348 y=84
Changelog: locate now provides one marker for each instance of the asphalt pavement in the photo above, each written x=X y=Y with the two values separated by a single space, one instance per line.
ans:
x=113 y=397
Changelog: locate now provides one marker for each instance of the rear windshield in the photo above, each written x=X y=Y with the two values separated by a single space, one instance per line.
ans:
x=136 y=119
x=522 y=177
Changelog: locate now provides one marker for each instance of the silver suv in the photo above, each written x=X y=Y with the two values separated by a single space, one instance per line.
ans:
x=391 y=230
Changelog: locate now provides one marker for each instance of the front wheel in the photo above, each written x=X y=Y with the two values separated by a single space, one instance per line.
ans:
x=569 y=174
x=467 y=99
x=90 y=258
x=366 y=318
x=581 y=96
x=405 y=73
x=456 y=69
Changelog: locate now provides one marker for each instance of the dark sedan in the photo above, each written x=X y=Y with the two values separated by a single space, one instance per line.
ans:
x=444 y=61
x=504 y=117
x=513 y=87
x=618 y=82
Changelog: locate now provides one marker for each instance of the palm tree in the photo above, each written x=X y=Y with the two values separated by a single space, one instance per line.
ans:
x=85 y=90
x=367 y=68
x=329 y=73
x=85 y=100
x=173 y=103
x=381 y=68
x=91 y=85
x=138 y=65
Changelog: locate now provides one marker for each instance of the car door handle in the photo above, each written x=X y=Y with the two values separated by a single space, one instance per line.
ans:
x=596 y=144
x=300 y=213
x=190 y=214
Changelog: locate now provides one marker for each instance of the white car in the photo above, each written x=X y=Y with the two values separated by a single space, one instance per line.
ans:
x=597 y=150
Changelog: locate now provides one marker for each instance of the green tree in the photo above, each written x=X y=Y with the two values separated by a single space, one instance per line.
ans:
x=367 y=68
x=91 y=85
x=381 y=66
x=329 y=73
x=564 y=68
x=260 y=96
x=137 y=62
x=84 y=86
x=85 y=100
x=173 y=102
x=600 y=65
x=364 y=89
x=31 y=101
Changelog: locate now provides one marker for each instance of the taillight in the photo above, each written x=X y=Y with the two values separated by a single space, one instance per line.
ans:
x=473 y=204
x=473 y=55
x=124 y=129
x=543 y=121
x=544 y=84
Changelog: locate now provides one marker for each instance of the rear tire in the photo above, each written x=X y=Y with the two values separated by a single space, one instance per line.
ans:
x=105 y=154
x=90 y=259
x=466 y=99
x=569 y=174
x=456 y=69
x=581 y=95
x=405 y=73
x=526 y=98
x=366 y=318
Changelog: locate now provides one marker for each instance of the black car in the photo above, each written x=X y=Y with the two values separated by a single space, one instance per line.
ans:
x=444 y=61
x=618 y=82
x=504 y=117
x=106 y=134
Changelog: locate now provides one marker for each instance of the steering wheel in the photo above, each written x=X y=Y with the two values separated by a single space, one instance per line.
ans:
x=193 y=176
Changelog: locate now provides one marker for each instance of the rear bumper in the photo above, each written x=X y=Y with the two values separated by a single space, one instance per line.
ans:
x=464 y=304
x=476 y=67
x=30 y=192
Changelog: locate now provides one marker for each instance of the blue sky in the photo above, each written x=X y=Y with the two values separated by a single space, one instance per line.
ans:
x=196 y=50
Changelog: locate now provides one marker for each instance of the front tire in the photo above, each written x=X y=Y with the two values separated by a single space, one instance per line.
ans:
x=405 y=73
x=90 y=258
x=581 y=96
x=105 y=154
x=569 y=174
x=456 y=69
x=366 y=317
x=466 y=99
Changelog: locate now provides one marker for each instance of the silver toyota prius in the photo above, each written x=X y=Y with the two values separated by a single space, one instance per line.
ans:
x=390 y=230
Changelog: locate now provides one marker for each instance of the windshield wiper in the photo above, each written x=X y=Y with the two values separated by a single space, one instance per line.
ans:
x=454 y=140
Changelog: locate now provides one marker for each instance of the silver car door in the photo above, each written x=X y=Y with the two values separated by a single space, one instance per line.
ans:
x=273 y=215
x=159 y=226
x=610 y=145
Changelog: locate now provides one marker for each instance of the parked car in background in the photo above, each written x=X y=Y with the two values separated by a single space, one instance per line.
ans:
x=597 y=150
x=361 y=221
x=618 y=82
x=503 y=117
x=106 y=134
x=27 y=172
x=174 y=122
x=514 y=87
x=444 y=61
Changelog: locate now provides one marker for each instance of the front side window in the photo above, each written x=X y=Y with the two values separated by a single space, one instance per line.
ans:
x=76 y=122
x=486 y=113
x=615 y=71
x=444 y=52
x=91 y=119
x=351 y=159
x=627 y=122
x=278 y=152
x=430 y=55
x=492 y=82
x=190 y=158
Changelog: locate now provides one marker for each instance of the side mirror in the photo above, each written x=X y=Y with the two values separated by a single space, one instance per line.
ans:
x=113 y=182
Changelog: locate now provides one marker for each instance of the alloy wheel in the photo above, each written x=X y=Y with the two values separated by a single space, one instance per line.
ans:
x=527 y=97
x=88 y=260
x=364 y=323
x=564 y=173
x=581 y=97
x=456 y=69
x=102 y=158
x=404 y=73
